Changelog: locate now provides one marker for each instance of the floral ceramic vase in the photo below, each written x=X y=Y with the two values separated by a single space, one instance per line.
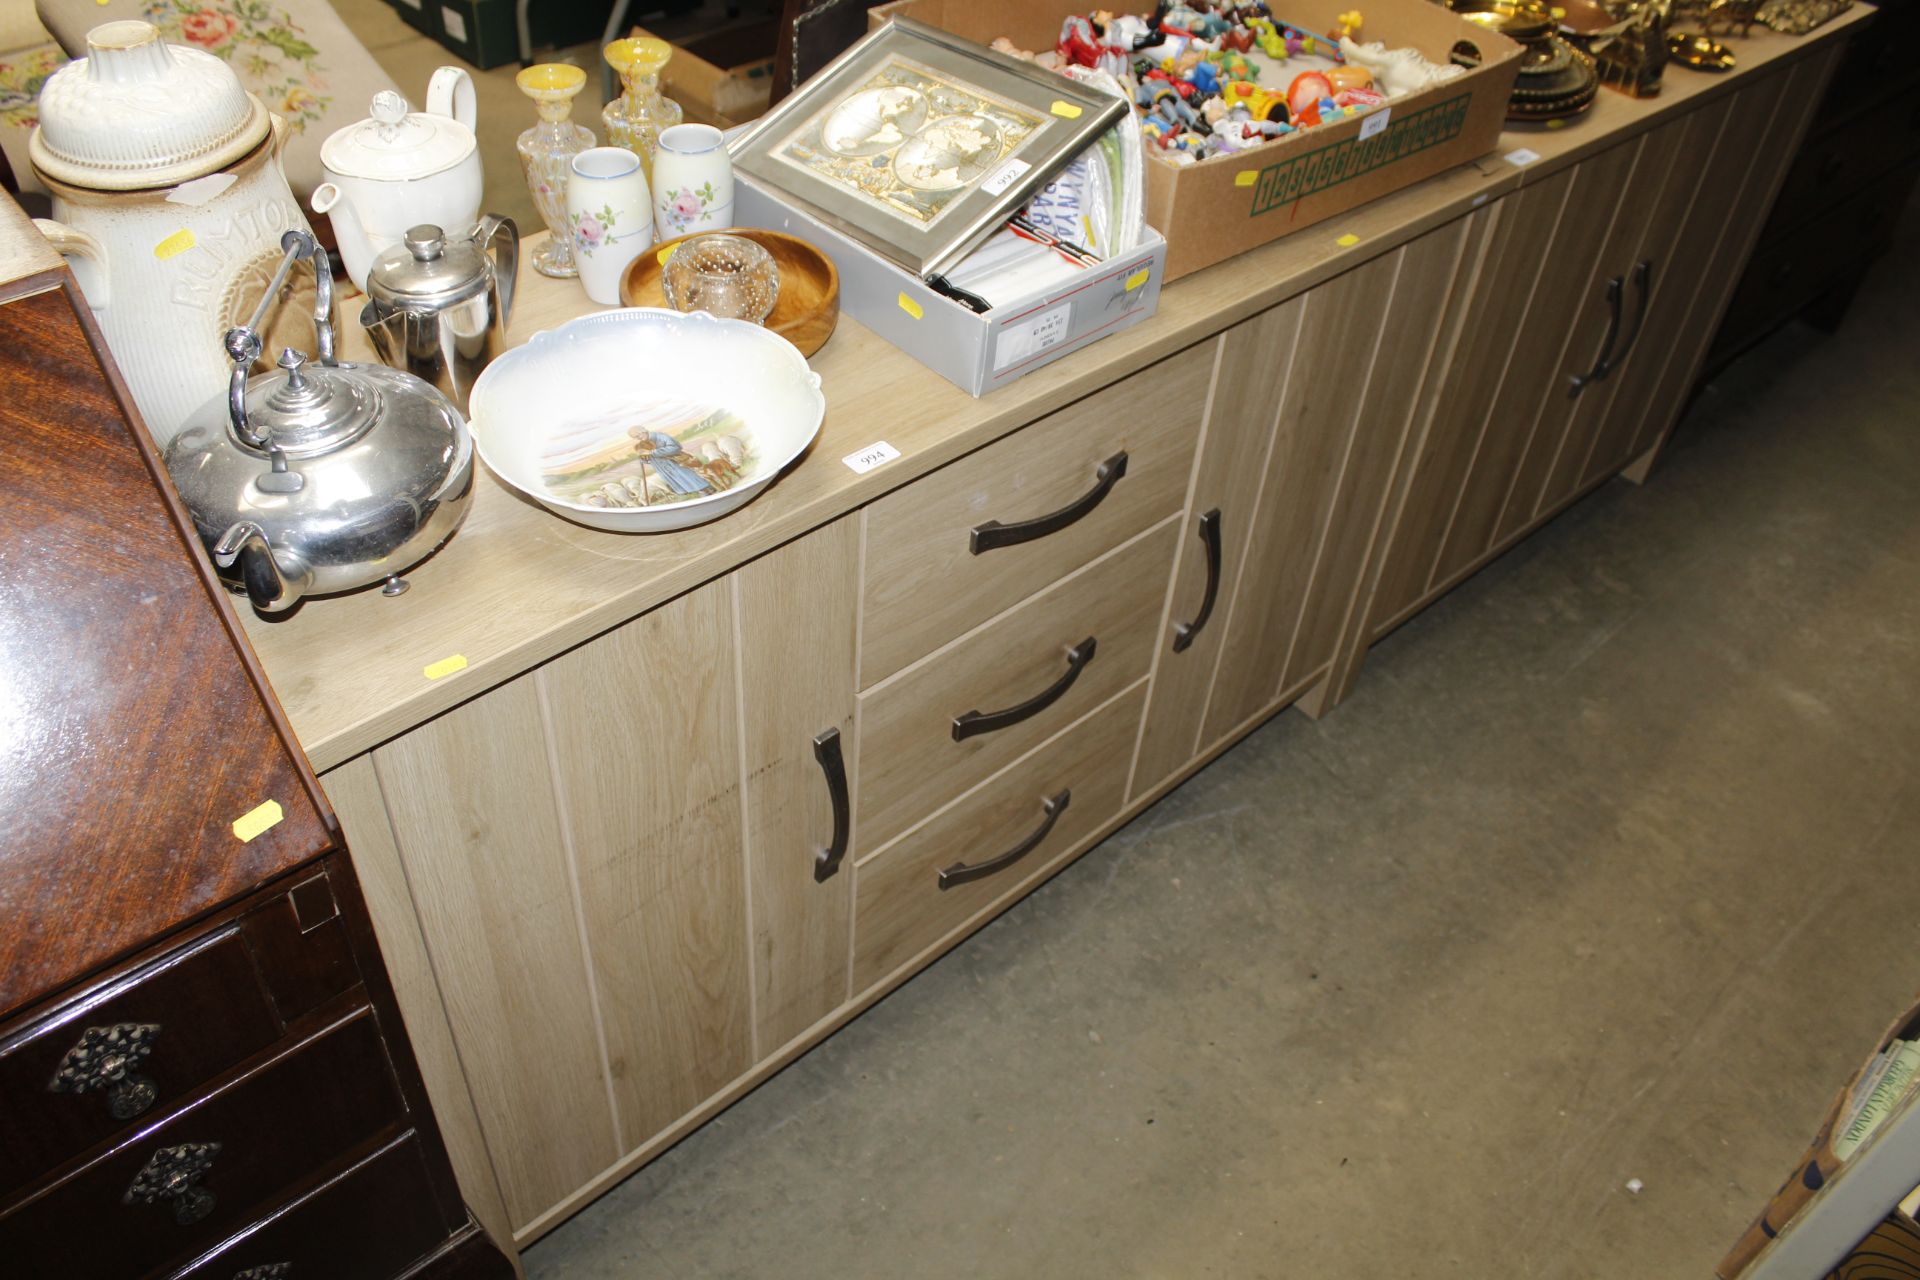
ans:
x=692 y=182
x=546 y=157
x=610 y=218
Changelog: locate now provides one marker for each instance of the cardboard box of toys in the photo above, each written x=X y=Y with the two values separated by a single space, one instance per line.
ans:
x=1215 y=208
x=724 y=78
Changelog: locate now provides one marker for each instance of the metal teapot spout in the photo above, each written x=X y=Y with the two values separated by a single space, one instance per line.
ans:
x=273 y=587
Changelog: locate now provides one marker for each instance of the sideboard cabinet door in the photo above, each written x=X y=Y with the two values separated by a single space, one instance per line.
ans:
x=644 y=725
x=797 y=609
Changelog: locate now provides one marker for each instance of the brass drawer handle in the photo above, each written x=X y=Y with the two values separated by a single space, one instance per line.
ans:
x=974 y=723
x=104 y=1058
x=994 y=534
x=266 y=1271
x=826 y=749
x=1184 y=632
x=174 y=1173
x=1052 y=807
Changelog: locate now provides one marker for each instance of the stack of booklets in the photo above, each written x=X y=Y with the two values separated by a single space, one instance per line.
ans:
x=1875 y=1094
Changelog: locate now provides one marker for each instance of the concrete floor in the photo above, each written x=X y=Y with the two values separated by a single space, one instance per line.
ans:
x=1601 y=874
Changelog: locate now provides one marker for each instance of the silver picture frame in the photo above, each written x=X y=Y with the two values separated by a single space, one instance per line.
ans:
x=919 y=144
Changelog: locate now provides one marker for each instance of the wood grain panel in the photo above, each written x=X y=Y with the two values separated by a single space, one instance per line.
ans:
x=354 y=791
x=117 y=809
x=645 y=730
x=1653 y=204
x=901 y=908
x=796 y=611
x=1253 y=360
x=474 y=815
x=923 y=586
x=1715 y=152
x=1412 y=323
x=1519 y=234
x=1795 y=93
x=1539 y=348
x=1319 y=408
x=910 y=764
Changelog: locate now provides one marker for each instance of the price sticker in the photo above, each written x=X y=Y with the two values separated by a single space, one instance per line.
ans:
x=1375 y=122
x=1521 y=157
x=870 y=457
x=1005 y=176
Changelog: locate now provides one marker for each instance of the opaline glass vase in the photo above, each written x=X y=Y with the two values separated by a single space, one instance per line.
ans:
x=637 y=117
x=546 y=157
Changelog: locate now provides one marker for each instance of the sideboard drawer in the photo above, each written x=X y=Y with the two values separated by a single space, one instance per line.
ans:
x=142 y=1206
x=370 y=1223
x=952 y=549
x=139 y=1042
x=994 y=842
x=942 y=725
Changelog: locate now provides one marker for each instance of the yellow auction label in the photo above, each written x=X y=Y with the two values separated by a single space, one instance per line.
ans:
x=261 y=817
x=445 y=667
x=1138 y=278
x=665 y=253
x=1065 y=110
x=911 y=307
x=1348 y=240
x=1246 y=177
x=177 y=243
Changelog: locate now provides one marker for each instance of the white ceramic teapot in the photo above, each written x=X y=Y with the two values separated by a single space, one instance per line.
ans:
x=400 y=169
x=169 y=200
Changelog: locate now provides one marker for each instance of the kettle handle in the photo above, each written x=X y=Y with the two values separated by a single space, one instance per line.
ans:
x=499 y=238
x=78 y=246
x=450 y=93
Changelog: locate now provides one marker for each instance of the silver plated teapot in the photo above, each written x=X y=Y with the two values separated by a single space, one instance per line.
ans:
x=438 y=305
x=322 y=476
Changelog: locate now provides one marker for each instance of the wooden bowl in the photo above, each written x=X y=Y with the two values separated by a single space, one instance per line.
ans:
x=807 y=309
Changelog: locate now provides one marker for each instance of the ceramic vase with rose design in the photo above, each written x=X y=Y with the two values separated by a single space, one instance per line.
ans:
x=692 y=181
x=610 y=216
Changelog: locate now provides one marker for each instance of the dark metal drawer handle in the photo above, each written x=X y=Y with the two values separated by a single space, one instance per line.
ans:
x=174 y=1174
x=974 y=723
x=826 y=749
x=994 y=534
x=104 y=1058
x=1184 y=632
x=1052 y=807
x=1643 y=284
x=1581 y=381
x=266 y=1271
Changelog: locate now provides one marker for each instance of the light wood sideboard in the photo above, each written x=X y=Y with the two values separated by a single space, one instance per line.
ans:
x=687 y=804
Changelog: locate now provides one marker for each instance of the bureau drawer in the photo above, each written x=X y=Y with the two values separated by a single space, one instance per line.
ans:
x=142 y=1207
x=994 y=842
x=942 y=725
x=1832 y=166
x=165 y=1026
x=370 y=1223
x=1056 y=488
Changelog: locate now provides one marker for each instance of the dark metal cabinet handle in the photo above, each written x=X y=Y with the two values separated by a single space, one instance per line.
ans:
x=1051 y=807
x=1184 y=632
x=1643 y=284
x=104 y=1058
x=994 y=534
x=266 y=1271
x=974 y=723
x=1581 y=381
x=826 y=749
x=174 y=1173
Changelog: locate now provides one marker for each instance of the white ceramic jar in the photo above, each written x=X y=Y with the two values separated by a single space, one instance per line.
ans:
x=692 y=181
x=169 y=199
x=610 y=217
x=399 y=169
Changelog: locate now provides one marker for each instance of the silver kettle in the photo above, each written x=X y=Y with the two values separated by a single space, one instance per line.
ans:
x=322 y=476
x=438 y=306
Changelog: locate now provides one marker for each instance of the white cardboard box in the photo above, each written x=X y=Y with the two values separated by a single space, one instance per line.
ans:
x=976 y=352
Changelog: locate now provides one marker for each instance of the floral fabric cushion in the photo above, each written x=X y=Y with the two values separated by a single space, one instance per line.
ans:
x=22 y=72
x=296 y=56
